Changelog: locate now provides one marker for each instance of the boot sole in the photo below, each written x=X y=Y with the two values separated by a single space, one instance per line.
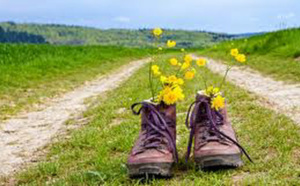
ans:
x=149 y=170
x=219 y=161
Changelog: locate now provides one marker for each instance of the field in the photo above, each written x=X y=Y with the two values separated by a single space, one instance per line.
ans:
x=97 y=153
x=94 y=148
x=31 y=74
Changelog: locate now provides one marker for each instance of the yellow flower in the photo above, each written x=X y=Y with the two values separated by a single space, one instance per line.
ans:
x=157 y=73
x=159 y=48
x=180 y=81
x=234 y=52
x=172 y=79
x=154 y=68
x=173 y=61
x=189 y=74
x=185 y=66
x=201 y=62
x=212 y=91
x=218 y=102
x=170 y=95
x=163 y=79
x=182 y=50
x=170 y=98
x=188 y=58
x=178 y=91
x=179 y=64
x=161 y=94
x=166 y=90
x=240 y=58
x=157 y=32
x=171 y=44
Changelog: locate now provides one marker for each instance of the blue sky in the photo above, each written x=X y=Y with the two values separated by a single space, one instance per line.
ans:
x=231 y=16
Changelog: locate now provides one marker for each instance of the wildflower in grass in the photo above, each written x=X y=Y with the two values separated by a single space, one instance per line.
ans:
x=160 y=48
x=173 y=61
x=171 y=44
x=218 y=102
x=240 y=58
x=179 y=64
x=189 y=75
x=182 y=50
x=201 y=62
x=188 y=58
x=234 y=52
x=157 y=32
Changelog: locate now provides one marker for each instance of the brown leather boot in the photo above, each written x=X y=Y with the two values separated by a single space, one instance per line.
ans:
x=154 y=151
x=215 y=142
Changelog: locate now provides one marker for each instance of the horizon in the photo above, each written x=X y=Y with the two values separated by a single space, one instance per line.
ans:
x=220 y=16
x=191 y=30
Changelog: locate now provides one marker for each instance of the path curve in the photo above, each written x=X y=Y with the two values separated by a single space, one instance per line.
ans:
x=23 y=135
x=278 y=95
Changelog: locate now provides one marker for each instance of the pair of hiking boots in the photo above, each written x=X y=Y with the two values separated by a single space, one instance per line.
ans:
x=154 y=152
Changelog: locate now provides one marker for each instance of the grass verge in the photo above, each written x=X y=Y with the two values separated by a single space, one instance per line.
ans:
x=276 y=53
x=96 y=154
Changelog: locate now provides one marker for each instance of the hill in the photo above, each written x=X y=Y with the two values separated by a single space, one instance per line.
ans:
x=77 y=35
x=275 y=53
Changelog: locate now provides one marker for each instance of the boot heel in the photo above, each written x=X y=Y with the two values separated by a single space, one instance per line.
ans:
x=150 y=170
x=229 y=161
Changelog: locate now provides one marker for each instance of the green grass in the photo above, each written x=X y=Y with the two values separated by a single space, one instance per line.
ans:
x=96 y=154
x=276 y=54
x=31 y=74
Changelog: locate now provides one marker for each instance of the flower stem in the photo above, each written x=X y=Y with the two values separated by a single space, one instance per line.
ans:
x=150 y=70
x=150 y=81
x=224 y=78
x=204 y=79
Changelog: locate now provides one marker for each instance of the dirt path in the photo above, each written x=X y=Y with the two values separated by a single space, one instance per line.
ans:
x=279 y=96
x=23 y=135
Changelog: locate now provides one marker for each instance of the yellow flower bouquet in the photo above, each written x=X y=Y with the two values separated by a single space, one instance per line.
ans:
x=171 y=83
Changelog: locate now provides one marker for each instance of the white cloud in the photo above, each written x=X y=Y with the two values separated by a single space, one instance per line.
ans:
x=122 y=19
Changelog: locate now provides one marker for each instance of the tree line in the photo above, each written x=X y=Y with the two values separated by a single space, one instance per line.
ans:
x=7 y=36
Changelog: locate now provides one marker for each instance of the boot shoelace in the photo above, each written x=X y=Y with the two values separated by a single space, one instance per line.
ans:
x=212 y=123
x=156 y=128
